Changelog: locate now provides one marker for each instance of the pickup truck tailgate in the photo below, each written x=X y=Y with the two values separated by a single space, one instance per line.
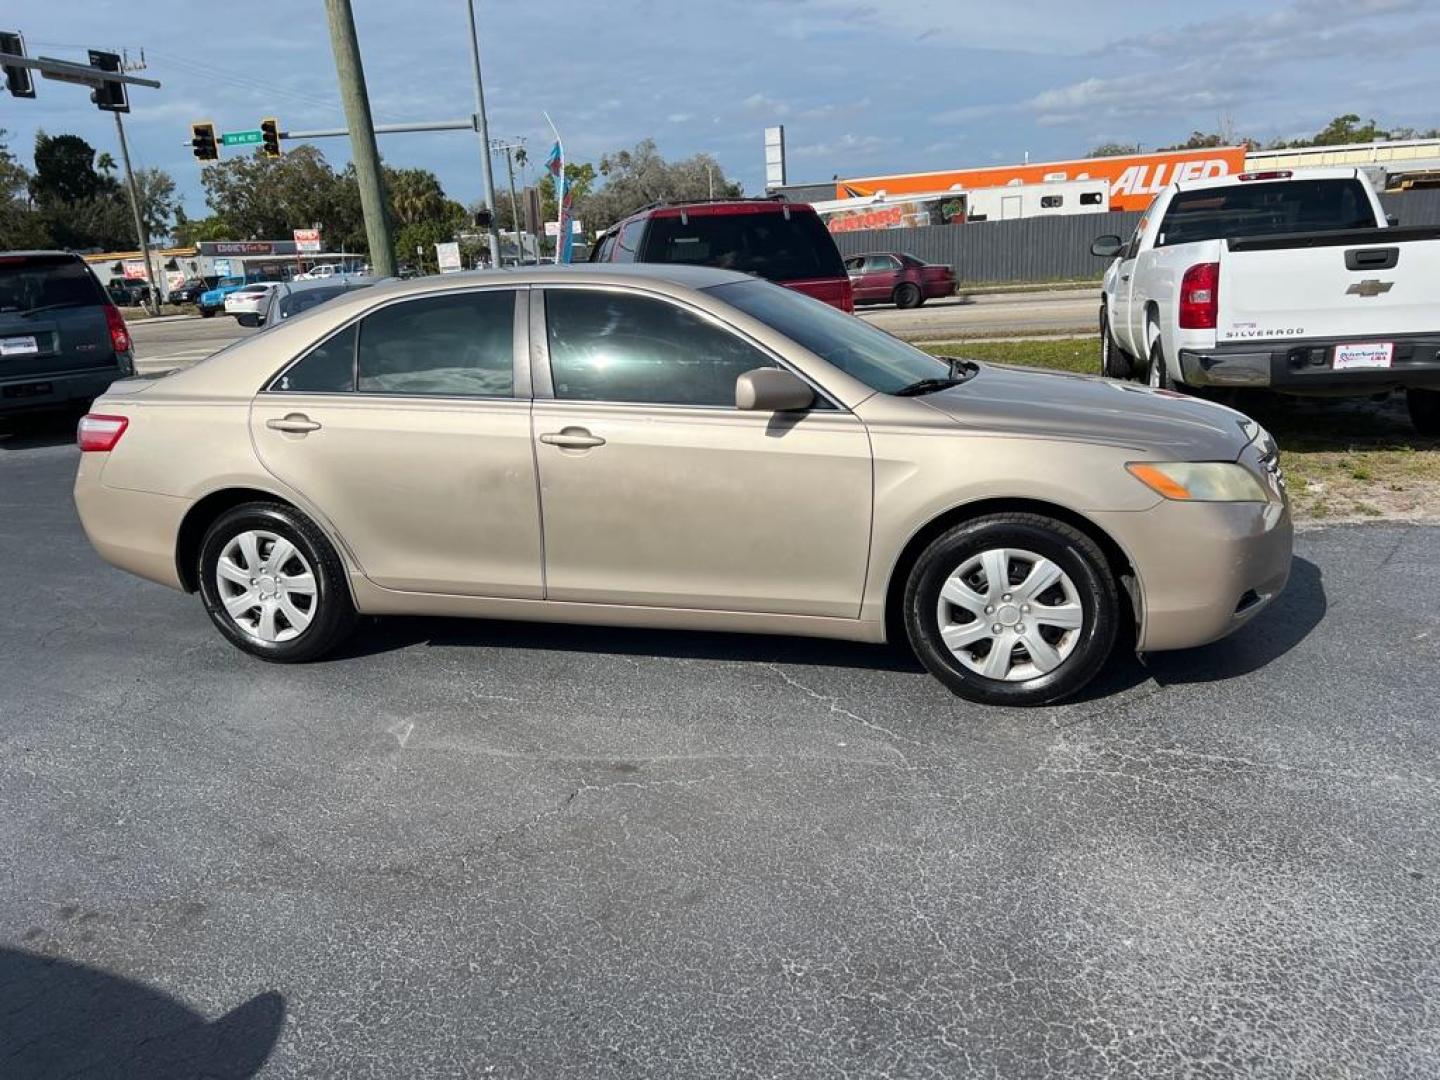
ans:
x=1351 y=284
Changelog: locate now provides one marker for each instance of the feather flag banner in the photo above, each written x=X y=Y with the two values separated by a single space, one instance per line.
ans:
x=555 y=166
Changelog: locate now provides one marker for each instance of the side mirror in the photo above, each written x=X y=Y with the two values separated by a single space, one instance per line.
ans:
x=1107 y=246
x=772 y=390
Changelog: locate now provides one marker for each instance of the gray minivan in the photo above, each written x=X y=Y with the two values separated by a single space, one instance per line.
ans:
x=62 y=342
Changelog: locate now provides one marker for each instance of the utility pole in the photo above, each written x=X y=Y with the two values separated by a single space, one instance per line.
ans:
x=509 y=149
x=483 y=127
x=363 y=150
x=140 y=231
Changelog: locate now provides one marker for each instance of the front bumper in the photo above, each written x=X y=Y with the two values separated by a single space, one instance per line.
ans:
x=1305 y=365
x=1204 y=569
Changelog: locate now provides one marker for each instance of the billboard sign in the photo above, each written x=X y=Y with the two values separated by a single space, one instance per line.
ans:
x=901 y=214
x=1134 y=179
x=307 y=240
x=134 y=269
x=774 y=157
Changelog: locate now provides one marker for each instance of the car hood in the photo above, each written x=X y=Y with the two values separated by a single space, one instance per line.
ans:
x=1058 y=404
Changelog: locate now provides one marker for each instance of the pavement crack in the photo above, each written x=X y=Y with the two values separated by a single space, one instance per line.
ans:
x=833 y=704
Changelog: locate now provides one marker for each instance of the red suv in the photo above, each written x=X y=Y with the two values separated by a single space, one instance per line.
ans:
x=784 y=242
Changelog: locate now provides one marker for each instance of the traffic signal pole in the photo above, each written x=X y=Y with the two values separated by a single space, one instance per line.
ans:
x=140 y=230
x=482 y=126
x=363 y=150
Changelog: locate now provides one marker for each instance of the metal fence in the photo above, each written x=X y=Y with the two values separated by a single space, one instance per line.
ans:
x=1051 y=248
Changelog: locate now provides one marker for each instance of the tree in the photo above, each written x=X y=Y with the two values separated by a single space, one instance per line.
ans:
x=20 y=226
x=415 y=196
x=263 y=197
x=65 y=171
x=1114 y=149
x=638 y=177
x=190 y=231
x=158 y=204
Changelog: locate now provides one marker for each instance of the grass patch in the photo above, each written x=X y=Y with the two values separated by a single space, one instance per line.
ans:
x=1344 y=458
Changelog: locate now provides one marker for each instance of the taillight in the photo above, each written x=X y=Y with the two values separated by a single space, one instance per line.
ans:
x=1273 y=174
x=100 y=433
x=1200 y=297
x=847 y=297
x=119 y=333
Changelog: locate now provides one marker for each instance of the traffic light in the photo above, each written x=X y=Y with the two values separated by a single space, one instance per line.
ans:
x=270 y=137
x=17 y=79
x=202 y=142
x=482 y=218
x=110 y=96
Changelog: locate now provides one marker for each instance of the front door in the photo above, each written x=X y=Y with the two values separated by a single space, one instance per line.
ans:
x=657 y=491
x=404 y=431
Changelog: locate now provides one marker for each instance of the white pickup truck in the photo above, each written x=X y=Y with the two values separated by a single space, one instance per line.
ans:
x=1294 y=282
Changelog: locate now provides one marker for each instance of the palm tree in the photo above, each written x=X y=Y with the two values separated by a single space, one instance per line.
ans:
x=105 y=163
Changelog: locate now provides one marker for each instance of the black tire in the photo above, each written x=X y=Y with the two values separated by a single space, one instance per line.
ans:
x=1424 y=406
x=1157 y=365
x=207 y=313
x=907 y=295
x=1071 y=550
x=1115 y=362
x=332 y=616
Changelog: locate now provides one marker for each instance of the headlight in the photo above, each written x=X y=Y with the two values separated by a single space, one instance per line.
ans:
x=1199 y=481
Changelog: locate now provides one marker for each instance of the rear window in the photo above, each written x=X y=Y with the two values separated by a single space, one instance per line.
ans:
x=1265 y=209
x=30 y=283
x=767 y=244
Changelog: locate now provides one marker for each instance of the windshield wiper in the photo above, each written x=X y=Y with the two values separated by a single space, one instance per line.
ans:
x=51 y=307
x=960 y=371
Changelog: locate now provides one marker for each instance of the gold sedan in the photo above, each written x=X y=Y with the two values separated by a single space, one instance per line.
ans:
x=681 y=447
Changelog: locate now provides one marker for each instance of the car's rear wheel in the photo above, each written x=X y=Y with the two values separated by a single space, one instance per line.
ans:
x=207 y=313
x=1115 y=362
x=273 y=584
x=1424 y=406
x=907 y=295
x=1012 y=609
x=1158 y=375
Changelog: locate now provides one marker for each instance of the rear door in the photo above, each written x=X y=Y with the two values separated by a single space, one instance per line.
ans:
x=52 y=317
x=409 y=430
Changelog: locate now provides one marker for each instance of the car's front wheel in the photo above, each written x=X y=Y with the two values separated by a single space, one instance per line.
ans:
x=273 y=584
x=1012 y=609
x=1115 y=362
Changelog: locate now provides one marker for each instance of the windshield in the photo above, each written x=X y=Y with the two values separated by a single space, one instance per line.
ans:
x=1265 y=209
x=860 y=350
x=771 y=245
x=30 y=282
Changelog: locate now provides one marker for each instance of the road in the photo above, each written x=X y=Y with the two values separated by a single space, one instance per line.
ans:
x=181 y=342
x=524 y=851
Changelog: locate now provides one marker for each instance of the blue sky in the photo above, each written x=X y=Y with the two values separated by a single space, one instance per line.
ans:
x=862 y=86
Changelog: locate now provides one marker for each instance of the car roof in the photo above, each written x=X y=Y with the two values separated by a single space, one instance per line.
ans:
x=715 y=208
x=1332 y=172
x=50 y=253
x=334 y=282
x=683 y=274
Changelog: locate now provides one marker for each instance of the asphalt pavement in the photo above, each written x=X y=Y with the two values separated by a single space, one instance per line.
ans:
x=494 y=849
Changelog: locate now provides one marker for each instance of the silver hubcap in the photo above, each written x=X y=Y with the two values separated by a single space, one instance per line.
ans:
x=266 y=586
x=1010 y=615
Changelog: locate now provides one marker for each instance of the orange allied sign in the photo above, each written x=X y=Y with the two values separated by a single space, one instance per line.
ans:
x=1134 y=178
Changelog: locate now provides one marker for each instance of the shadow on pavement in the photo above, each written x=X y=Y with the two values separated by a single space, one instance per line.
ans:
x=63 y=1019
x=1272 y=634
x=31 y=430
x=385 y=635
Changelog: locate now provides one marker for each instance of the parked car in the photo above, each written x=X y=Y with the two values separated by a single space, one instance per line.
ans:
x=62 y=341
x=213 y=300
x=893 y=277
x=249 y=299
x=688 y=448
x=782 y=242
x=190 y=290
x=128 y=293
x=290 y=298
x=1289 y=281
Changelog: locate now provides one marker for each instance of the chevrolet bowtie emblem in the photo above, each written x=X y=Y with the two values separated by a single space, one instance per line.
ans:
x=1369 y=287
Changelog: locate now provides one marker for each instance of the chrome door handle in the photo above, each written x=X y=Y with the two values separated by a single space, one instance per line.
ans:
x=1124 y=277
x=295 y=422
x=572 y=438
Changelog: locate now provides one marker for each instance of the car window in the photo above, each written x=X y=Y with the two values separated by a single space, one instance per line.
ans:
x=773 y=245
x=460 y=345
x=860 y=350
x=879 y=264
x=1050 y=202
x=627 y=243
x=1262 y=209
x=329 y=368
x=607 y=245
x=613 y=346
x=28 y=282
x=911 y=260
x=855 y=265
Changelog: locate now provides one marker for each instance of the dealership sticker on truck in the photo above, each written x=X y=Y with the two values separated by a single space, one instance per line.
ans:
x=1373 y=355
x=19 y=346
